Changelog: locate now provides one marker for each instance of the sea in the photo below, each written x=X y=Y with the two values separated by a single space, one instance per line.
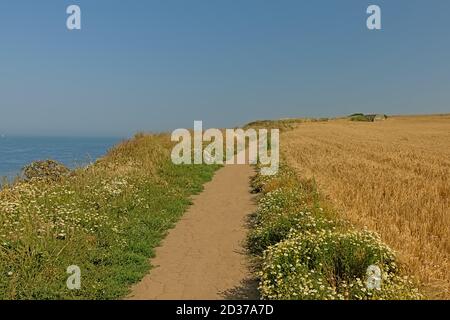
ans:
x=17 y=152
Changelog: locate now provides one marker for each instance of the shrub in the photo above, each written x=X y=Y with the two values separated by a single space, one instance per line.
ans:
x=286 y=204
x=285 y=178
x=47 y=170
x=331 y=265
x=278 y=202
x=356 y=114
x=362 y=118
x=272 y=231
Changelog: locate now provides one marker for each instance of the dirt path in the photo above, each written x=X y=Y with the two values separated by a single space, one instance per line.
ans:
x=203 y=256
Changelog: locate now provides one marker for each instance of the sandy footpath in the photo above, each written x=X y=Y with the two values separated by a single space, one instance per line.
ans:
x=203 y=256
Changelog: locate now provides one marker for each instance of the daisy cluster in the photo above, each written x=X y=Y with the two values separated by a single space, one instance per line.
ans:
x=309 y=254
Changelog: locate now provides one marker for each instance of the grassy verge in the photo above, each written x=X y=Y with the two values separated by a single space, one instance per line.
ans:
x=307 y=253
x=106 y=219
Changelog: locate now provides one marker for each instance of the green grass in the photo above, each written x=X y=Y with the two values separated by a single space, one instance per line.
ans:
x=107 y=219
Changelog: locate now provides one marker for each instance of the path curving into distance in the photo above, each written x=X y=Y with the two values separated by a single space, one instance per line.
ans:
x=203 y=257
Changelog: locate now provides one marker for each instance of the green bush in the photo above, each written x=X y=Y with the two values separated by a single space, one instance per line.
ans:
x=362 y=118
x=46 y=170
x=285 y=177
x=357 y=114
x=279 y=212
x=275 y=230
x=331 y=265
x=292 y=206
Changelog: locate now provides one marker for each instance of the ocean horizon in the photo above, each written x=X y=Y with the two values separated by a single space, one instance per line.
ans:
x=19 y=151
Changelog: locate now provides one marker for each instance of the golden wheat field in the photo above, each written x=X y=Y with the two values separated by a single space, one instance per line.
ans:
x=390 y=176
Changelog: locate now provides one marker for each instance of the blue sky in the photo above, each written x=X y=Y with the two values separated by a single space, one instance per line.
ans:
x=159 y=65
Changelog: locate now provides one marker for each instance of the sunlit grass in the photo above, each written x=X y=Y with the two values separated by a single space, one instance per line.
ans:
x=307 y=253
x=105 y=218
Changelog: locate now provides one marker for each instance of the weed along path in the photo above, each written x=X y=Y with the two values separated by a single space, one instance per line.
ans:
x=203 y=257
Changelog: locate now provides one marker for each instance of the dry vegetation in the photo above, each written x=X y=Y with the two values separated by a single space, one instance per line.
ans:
x=306 y=253
x=391 y=176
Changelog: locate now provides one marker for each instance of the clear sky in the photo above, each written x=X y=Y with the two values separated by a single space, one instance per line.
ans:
x=158 y=65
